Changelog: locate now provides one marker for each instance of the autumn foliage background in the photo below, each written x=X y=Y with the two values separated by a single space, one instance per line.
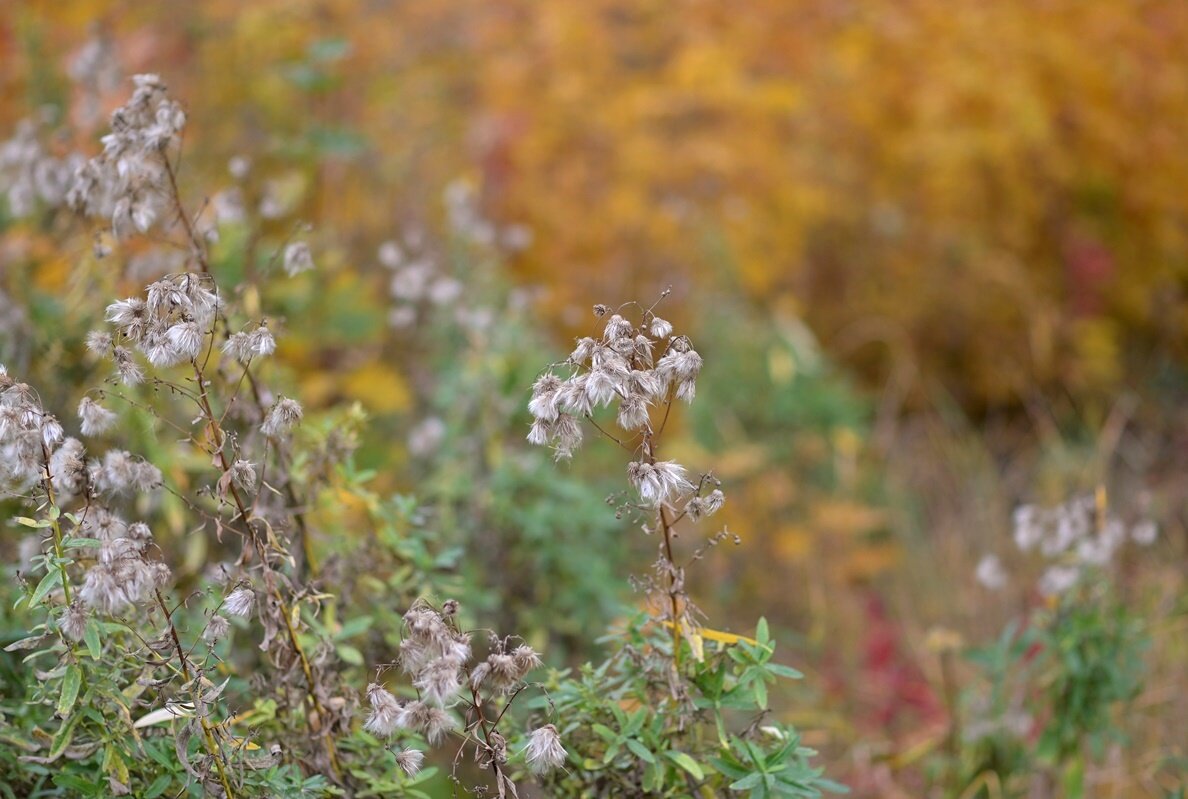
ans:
x=935 y=255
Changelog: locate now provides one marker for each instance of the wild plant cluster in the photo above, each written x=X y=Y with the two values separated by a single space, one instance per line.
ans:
x=1050 y=685
x=216 y=594
x=185 y=631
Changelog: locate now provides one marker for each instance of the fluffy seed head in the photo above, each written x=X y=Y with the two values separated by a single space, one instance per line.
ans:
x=544 y=751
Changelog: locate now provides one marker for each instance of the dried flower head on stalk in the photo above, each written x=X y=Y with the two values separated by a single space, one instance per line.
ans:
x=447 y=678
x=1072 y=538
x=638 y=369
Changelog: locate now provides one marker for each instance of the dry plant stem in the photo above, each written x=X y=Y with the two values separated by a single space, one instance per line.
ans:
x=482 y=723
x=199 y=251
x=207 y=734
x=672 y=589
x=218 y=439
x=308 y=564
x=666 y=527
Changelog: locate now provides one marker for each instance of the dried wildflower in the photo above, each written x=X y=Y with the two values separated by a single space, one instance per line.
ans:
x=990 y=573
x=426 y=437
x=439 y=680
x=700 y=507
x=240 y=602
x=633 y=412
x=681 y=368
x=110 y=587
x=298 y=258
x=74 y=621
x=410 y=761
x=128 y=181
x=94 y=417
x=436 y=724
x=51 y=431
x=186 y=338
x=616 y=328
x=543 y=405
x=601 y=310
x=243 y=346
x=239 y=166
x=390 y=255
x=129 y=371
x=281 y=417
x=1144 y=533
x=217 y=628
x=444 y=291
x=540 y=432
x=567 y=435
x=526 y=659
x=68 y=469
x=659 y=328
x=404 y=317
x=387 y=714
x=121 y=473
x=544 y=751
x=1058 y=580
x=101 y=523
x=603 y=385
x=582 y=352
x=503 y=673
x=657 y=482
x=99 y=342
x=243 y=474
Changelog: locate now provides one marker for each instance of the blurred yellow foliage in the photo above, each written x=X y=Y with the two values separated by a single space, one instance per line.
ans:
x=1000 y=184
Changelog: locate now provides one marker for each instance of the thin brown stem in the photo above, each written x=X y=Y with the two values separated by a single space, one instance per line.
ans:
x=191 y=234
x=673 y=591
x=211 y=745
x=218 y=438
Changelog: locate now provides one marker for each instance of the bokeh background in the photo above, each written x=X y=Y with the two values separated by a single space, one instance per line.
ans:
x=935 y=255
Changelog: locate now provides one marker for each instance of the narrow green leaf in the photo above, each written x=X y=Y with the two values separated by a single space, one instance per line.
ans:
x=158 y=786
x=747 y=782
x=49 y=582
x=640 y=751
x=350 y=654
x=784 y=671
x=70 y=685
x=63 y=738
x=91 y=638
x=687 y=763
x=605 y=732
x=760 y=690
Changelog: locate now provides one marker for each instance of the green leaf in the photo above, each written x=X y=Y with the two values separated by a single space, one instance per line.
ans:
x=784 y=671
x=641 y=751
x=747 y=782
x=761 y=632
x=350 y=654
x=49 y=582
x=91 y=638
x=687 y=763
x=355 y=626
x=25 y=520
x=760 y=690
x=63 y=738
x=605 y=732
x=77 y=543
x=71 y=682
x=158 y=786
